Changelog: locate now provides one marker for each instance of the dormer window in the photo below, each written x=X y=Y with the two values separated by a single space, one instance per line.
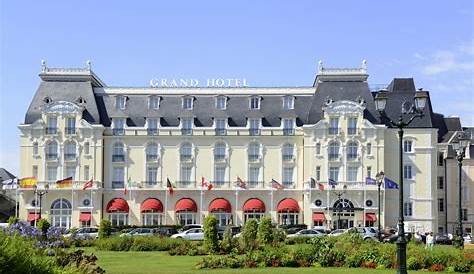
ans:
x=152 y=126
x=154 y=102
x=118 y=126
x=288 y=102
x=186 y=126
x=120 y=102
x=221 y=102
x=188 y=103
x=288 y=126
x=255 y=103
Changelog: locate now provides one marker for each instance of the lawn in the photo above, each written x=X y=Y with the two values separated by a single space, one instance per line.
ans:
x=161 y=262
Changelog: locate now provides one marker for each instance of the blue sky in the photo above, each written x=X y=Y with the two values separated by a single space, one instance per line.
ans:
x=270 y=43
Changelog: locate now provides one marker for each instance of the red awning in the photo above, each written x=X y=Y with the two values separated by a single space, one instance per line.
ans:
x=254 y=205
x=117 y=205
x=288 y=205
x=85 y=217
x=370 y=217
x=152 y=205
x=186 y=204
x=220 y=204
x=318 y=216
x=33 y=216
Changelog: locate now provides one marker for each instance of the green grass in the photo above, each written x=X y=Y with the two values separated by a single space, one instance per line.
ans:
x=162 y=263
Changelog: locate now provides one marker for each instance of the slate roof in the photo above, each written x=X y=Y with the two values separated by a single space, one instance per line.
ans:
x=5 y=175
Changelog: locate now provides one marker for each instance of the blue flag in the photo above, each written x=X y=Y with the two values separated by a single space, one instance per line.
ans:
x=390 y=184
x=370 y=181
x=331 y=182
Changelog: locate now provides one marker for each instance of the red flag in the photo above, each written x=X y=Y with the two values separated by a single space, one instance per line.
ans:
x=125 y=191
x=320 y=186
x=88 y=184
x=241 y=183
x=277 y=185
x=206 y=184
x=170 y=186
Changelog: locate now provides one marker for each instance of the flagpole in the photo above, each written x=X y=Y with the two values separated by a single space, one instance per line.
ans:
x=200 y=206
x=310 y=199
x=236 y=203
x=271 y=202
x=36 y=205
x=166 y=200
x=327 y=207
x=365 y=206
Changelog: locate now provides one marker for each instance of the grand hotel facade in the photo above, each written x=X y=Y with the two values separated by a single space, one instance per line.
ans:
x=131 y=140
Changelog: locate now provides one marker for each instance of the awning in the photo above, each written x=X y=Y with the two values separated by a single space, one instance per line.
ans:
x=32 y=216
x=152 y=205
x=254 y=205
x=370 y=217
x=85 y=217
x=117 y=205
x=288 y=205
x=318 y=216
x=186 y=204
x=220 y=204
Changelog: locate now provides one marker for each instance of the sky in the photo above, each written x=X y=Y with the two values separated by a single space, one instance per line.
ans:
x=269 y=43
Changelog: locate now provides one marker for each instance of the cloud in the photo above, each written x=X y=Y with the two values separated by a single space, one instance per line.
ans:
x=448 y=61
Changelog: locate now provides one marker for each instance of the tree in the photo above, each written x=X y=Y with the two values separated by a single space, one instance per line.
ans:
x=105 y=228
x=227 y=243
x=211 y=240
x=249 y=235
x=265 y=231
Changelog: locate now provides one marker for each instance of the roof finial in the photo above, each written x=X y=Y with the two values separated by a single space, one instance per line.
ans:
x=364 y=64
x=88 y=64
x=320 y=66
x=43 y=65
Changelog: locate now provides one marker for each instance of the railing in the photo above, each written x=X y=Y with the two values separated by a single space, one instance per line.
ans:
x=287 y=157
x=221 y=184
x=333 y=130
x=51 y=156
x=69 y=156
x=51 y=130
x=185 y=184
x=152 y=131
x=289 y=184
x=254 y=131
x=118 y=158
x=185 y=157
x=152 y=157
x=118 y=131
x=288 y=131
x=70 y=130
x=75 y=185
x=349 y=186
x=333 y=156
x=186 y=131
x=351 y=131
x=118 y=184
x=253 y=157
x=220 y=132
x=255 y=184
x=219 y=157
x=150 y=184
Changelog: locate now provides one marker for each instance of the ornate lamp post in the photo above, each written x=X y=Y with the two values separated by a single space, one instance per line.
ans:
x=339 y=195
x=460 y=148
x=40 y=194
x=380 y=178
x=408 y=113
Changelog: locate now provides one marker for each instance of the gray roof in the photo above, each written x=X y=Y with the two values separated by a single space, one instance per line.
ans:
x=5 y=175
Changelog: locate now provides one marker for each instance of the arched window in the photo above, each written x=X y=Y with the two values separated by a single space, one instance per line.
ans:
x=351 y=151
x=333 y=151
x=186 y=152
x=287 y=152
x=254 y=151
x=61 y=211
x=69 y=151
x=118 y=154
x=152 y=152
x=220 y=151
x=52 y=150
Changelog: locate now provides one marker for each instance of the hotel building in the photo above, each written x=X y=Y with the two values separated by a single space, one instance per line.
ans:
x=131 y=140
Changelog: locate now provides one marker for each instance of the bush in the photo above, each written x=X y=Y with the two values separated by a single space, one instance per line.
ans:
x=145 y=243
x=413 y=263
x=211 y=239
x=227 y=243
x=265 y=231
x=249 y=235
x=303 y=255
x=279 y=236
x=43 y=225
x=105 y=228
x=12 y=220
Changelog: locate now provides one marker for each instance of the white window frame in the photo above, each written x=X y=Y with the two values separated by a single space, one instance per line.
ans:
x=221 y=102
x=254 y=177
x=408 y=146
x=254 y=102
x=369 y=148
x=118 y=176
x=70 y=171
x=52 y=170
x=352 y=173
x=188 y=103
x=154 y=102
x=288 y=176
x=186 y=217
x=61 y=216
x=152 y=218
x=408 y=172
x=288 y=102
x=118 y=218
x=334 y=151
x=220 y=173
x=333 y=125
x=86 y=173
x=186 y=173
x=351 y=126
x=318 y=173
x=121 y=102
x=408 y=209
x=334 y=170
x=288 y=152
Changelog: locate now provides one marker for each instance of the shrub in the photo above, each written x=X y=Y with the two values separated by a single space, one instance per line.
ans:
x=279 y=236
x=303 y=255
x=249 y=235
x=145 y=243
x=436 y=268
x=227 y=243
x=43 y=225
x=265 y=231
x=12 y=220
x=211 y=239
x=413 y=263
x=105 y=228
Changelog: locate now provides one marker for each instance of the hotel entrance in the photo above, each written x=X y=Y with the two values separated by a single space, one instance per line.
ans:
x=343 y=214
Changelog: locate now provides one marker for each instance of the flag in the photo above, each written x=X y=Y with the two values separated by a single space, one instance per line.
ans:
x=10 y=184
x=64 y=183
x=28 y=182
x=390 y=184
x=320 y=186
x=312 y=182
x=370 y=181
x=241 y=183
x=331 y=182
x=128 y=184
x=206 y=184
x=276 y=184
x=88 y=184
x=170 y=186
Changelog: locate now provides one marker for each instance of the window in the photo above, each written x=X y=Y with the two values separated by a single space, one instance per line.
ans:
x=288 y=102
x=254 y=126
x=152 y=152
x=369 y=203
x=188 y=103
x=186 y=218
x=407 y=172
x=221 y=103
x=333 y=152
x=287 y=152
x=118 y=126
x=151 y=175
x=352 y=126
x=52 y=150
x=154 y=102
x=334 y=173
x=61 y=211
x=219 y=174
x=464 y=214
x=440 y=182
x=318 y=173
x=288 y=218
x=186 y=174
x=254 y=152
x=288 y=127
x=70 y=151
x=70 y=125
x=407 y=146
x=152 y=126
x=86 y=148
x=287 y=176
x=118 y=177
x=352 y=174
x=223 y=218
x=71 y=172
x=253 y=215
x=120 y=102
x=52 y=173
x=441 y=205
x=35 y=171
x=254 y=175
x=118 y=219
x=369 y=149
x=352 y=151
x=186 y=152
x=35 y=149
x=220 y=126
x=408 y=208
x=220 y=152
x=152 y=219
x=52 y=125
x=318 y=149
x=440 y=159
x=333 y=125
x=369 y=172
x=86 y=173
x=118 y=153
x=186 y=126
x=255 y=103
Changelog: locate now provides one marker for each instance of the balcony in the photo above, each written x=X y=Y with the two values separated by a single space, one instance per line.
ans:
x=352 y=157
x=118 y=184
x=253 y=157
x=288 y=131
x=186 y=157
x=254 y=131
x=221 y=184
x=151 y=184
x=186 y=131
x=70 y=130
x=118 y=131
x=118 y=158
x=185 y=184
x=219 y=157
x=152 y=131
x=255 y=184
x=351 y=131
x=51 y=156
x=69 y=156
x=152 y=157
x=288 y=157
x=288 y=184
x=220 y=132
x=51 y=130
x=333 y=131
x=333 y=156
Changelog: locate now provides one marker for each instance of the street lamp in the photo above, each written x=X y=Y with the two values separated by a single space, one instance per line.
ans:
x=408 y=112
x=40 y=194
x=339 y=195
x=460 y=148
x=380 y=178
